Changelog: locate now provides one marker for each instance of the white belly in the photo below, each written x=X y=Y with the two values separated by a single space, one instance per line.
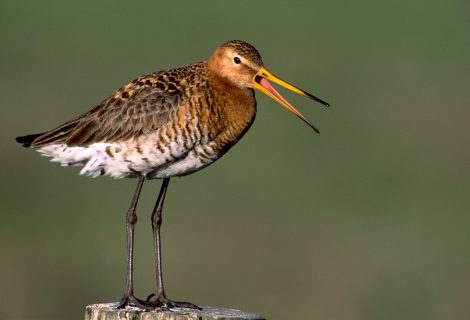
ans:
x=128 y=160
x=181 y=167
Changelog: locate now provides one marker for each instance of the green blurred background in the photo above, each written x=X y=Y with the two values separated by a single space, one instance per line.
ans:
x=369 y=220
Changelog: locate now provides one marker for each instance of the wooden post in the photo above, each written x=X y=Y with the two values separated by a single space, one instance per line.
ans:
x=108 y=311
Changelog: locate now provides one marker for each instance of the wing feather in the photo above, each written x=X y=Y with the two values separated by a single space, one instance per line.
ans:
x=139 y=107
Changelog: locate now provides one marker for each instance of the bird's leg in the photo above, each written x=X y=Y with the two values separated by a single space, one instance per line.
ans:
x=159 y=297
x=131 y=220
x=156 y=225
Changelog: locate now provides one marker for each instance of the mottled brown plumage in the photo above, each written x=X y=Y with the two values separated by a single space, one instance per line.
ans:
x=168 y=123
x=150 y=102
x=137 y=108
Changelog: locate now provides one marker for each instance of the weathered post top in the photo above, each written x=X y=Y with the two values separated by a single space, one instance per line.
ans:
x=108 y=311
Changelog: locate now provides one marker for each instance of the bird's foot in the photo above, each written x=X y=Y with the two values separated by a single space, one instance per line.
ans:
x=163 y=302
x=131 y=300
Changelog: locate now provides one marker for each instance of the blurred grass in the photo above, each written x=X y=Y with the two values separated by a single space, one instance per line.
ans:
x=368 y=220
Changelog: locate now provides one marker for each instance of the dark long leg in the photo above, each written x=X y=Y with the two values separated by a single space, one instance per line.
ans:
x=159 y=297
x=156 y=225
x=131 y=220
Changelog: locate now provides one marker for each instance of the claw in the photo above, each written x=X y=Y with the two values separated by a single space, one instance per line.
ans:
x=166 y=303
x=131 y=300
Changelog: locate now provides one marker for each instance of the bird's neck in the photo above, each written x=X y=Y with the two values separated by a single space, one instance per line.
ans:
x=236 y=107
x=239 y=104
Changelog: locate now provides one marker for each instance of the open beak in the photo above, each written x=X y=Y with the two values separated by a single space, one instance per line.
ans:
x=260 y=82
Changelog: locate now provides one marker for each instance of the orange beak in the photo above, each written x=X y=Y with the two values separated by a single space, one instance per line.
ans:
x=260 y=82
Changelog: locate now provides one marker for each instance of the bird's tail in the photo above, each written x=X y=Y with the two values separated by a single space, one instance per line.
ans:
x=57 y=135
x=26 y=141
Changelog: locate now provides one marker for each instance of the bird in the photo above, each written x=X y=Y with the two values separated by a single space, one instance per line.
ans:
x=169 y=123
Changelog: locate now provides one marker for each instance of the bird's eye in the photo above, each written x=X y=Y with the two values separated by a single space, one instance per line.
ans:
x=237 y=60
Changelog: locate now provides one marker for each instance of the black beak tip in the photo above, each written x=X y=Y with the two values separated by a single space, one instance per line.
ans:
x=311 y=96
x=326 y=104
x=311 y=125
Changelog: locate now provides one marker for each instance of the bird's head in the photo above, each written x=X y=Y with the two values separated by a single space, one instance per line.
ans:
x=240 y=64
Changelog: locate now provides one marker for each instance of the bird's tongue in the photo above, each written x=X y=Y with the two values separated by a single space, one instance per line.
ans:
x=265 y=84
